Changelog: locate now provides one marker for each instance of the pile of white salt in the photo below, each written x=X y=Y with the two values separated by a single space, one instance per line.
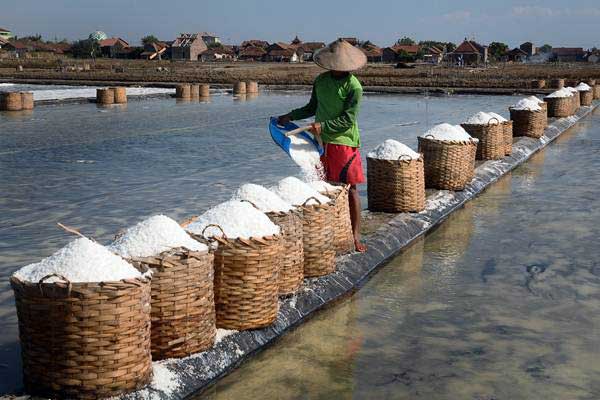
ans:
x=536 y=99
x=480 y=118
x=527 y=105
x=306 y=156
x=296 y=192
x=499 y=117
x=393 y=150
x=564 y=92
x=324 y=187
x=152 y=237
x=82 y=260
x=583 y=87
x=263 y=198
x=237 y=219
x=447 y=132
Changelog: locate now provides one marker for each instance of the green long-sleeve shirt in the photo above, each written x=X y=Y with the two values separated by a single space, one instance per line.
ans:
x=335 y=103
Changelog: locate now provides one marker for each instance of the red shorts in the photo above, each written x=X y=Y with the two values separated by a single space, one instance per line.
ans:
x=343 y=164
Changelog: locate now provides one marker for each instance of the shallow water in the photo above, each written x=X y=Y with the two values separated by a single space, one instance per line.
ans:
x=103 y=169
x=501 y=301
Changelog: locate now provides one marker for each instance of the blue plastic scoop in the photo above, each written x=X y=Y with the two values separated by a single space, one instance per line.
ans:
x=280 y=135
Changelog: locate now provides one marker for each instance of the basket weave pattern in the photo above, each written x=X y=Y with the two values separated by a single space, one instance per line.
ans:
x=596 y=92
x=84 y=340
x=11 y=101
x=291 y=273
x=448 y=165
x=557 y=83
x=491 y=144
x=528 y=123
x=343 y=236
x=318 y=239
x=105 y=96
x=396 y=185
x=507 y=127
x=183 y=309
x=246 y=282
x=559 y=107
x=587 y=97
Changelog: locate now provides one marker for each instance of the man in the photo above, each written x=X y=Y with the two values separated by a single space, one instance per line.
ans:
x=335 y=103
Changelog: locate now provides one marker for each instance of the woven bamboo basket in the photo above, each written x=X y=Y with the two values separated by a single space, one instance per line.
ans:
x=183 y=91
x=183 y=308
x=538 y=84
x=318 y=238
x=343 y=235
x=204 y=90
x=194 y=91
x=491 y=144
x=507 y=128
x=576 y=102
x=84 y=340
x=120 y=95
x=105 y=96
x=239 y=88
x=596 y=92
x=291 y=273
x=396 y=186
x=251 y=87
x=557 y=83
x=544 y=107
x=27 y=100
x=246 y=282
x=559 y=107
x=11 y=101
x=587 y=97
x=449 y=165
x=528 y=123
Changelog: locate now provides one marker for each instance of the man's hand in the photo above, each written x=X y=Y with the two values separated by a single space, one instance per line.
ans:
x=315 y=128
x=284 y=119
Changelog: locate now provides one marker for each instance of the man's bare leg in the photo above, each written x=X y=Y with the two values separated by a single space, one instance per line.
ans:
x=355 y=210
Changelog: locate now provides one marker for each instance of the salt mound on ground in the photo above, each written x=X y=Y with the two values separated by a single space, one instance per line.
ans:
x=527 y=104
x=324 y=187
x=497 y=116
x=564 y=92
x=447 y=132
x=152 y=237
x=237 y=219
x=263 y=198
x=481 y=118
x=297 y=192
x=535 y=98
x=392 y=150
x=305 y=155
x=80 y=261
x=583 y=87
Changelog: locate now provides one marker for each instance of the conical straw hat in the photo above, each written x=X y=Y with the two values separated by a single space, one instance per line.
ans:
x=340 y=56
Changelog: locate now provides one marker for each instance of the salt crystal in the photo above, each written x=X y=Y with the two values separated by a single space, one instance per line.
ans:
x=164 y=380
x=447 y=132
x=571 y=89
x=324 y=187
x=535 y=98
x=497 y=116
x=297 y=192
x=237 y=219
x=82 y=260
x=583 y=87
x=152 y=237
x=564 y=92
x=393 y=150
x=305 y=154
x=263 y=198
x=222 y=334
x=527 y=104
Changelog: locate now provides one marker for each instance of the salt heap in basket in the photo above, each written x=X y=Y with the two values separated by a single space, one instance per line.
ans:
x=296 y=192
x=393 y=150
x=153 y=236
x=527 y=104
x=237 y=219
x=82 y=260
x=446 y=132
x=264 y=199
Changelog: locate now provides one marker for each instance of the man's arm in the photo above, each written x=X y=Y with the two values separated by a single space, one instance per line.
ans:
x=308 y=110
x=348 y=116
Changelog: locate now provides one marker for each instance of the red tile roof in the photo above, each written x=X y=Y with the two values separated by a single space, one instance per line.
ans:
x=252 y=51
x=410 y=49
x=467 y=47
x=112 y=41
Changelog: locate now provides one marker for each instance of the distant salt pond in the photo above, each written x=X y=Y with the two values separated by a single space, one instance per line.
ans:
x=102 y=169
x=47 y=92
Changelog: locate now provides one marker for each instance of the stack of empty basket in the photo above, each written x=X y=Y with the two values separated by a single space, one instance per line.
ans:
x=395 y=178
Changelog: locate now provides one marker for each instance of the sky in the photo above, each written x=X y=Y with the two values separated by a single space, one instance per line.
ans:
x=559 y=23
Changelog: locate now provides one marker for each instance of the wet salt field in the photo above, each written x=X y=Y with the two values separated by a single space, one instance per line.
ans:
x=102 y=169
x=499 y=302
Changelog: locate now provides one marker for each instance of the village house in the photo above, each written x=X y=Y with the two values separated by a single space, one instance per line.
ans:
x=568 y=54
x=255 y=43
x=469 y=52
x=528 y=48
x=400 y=52
x=112 y=47
x=220 y=53
x=374 y=53
x=433 y=55
x=188 y=46
x=154 y=51
x=5 y=34
x=516 y=55
x=251 y=53
x=352 y=40
x=283 y=52
x=16 y=49
x=307 y=49
x=209 y=39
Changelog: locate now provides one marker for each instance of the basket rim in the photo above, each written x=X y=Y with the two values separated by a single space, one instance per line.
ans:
x=133 y=281
x=472 y=141
x=532 y=111
x=405 y=161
